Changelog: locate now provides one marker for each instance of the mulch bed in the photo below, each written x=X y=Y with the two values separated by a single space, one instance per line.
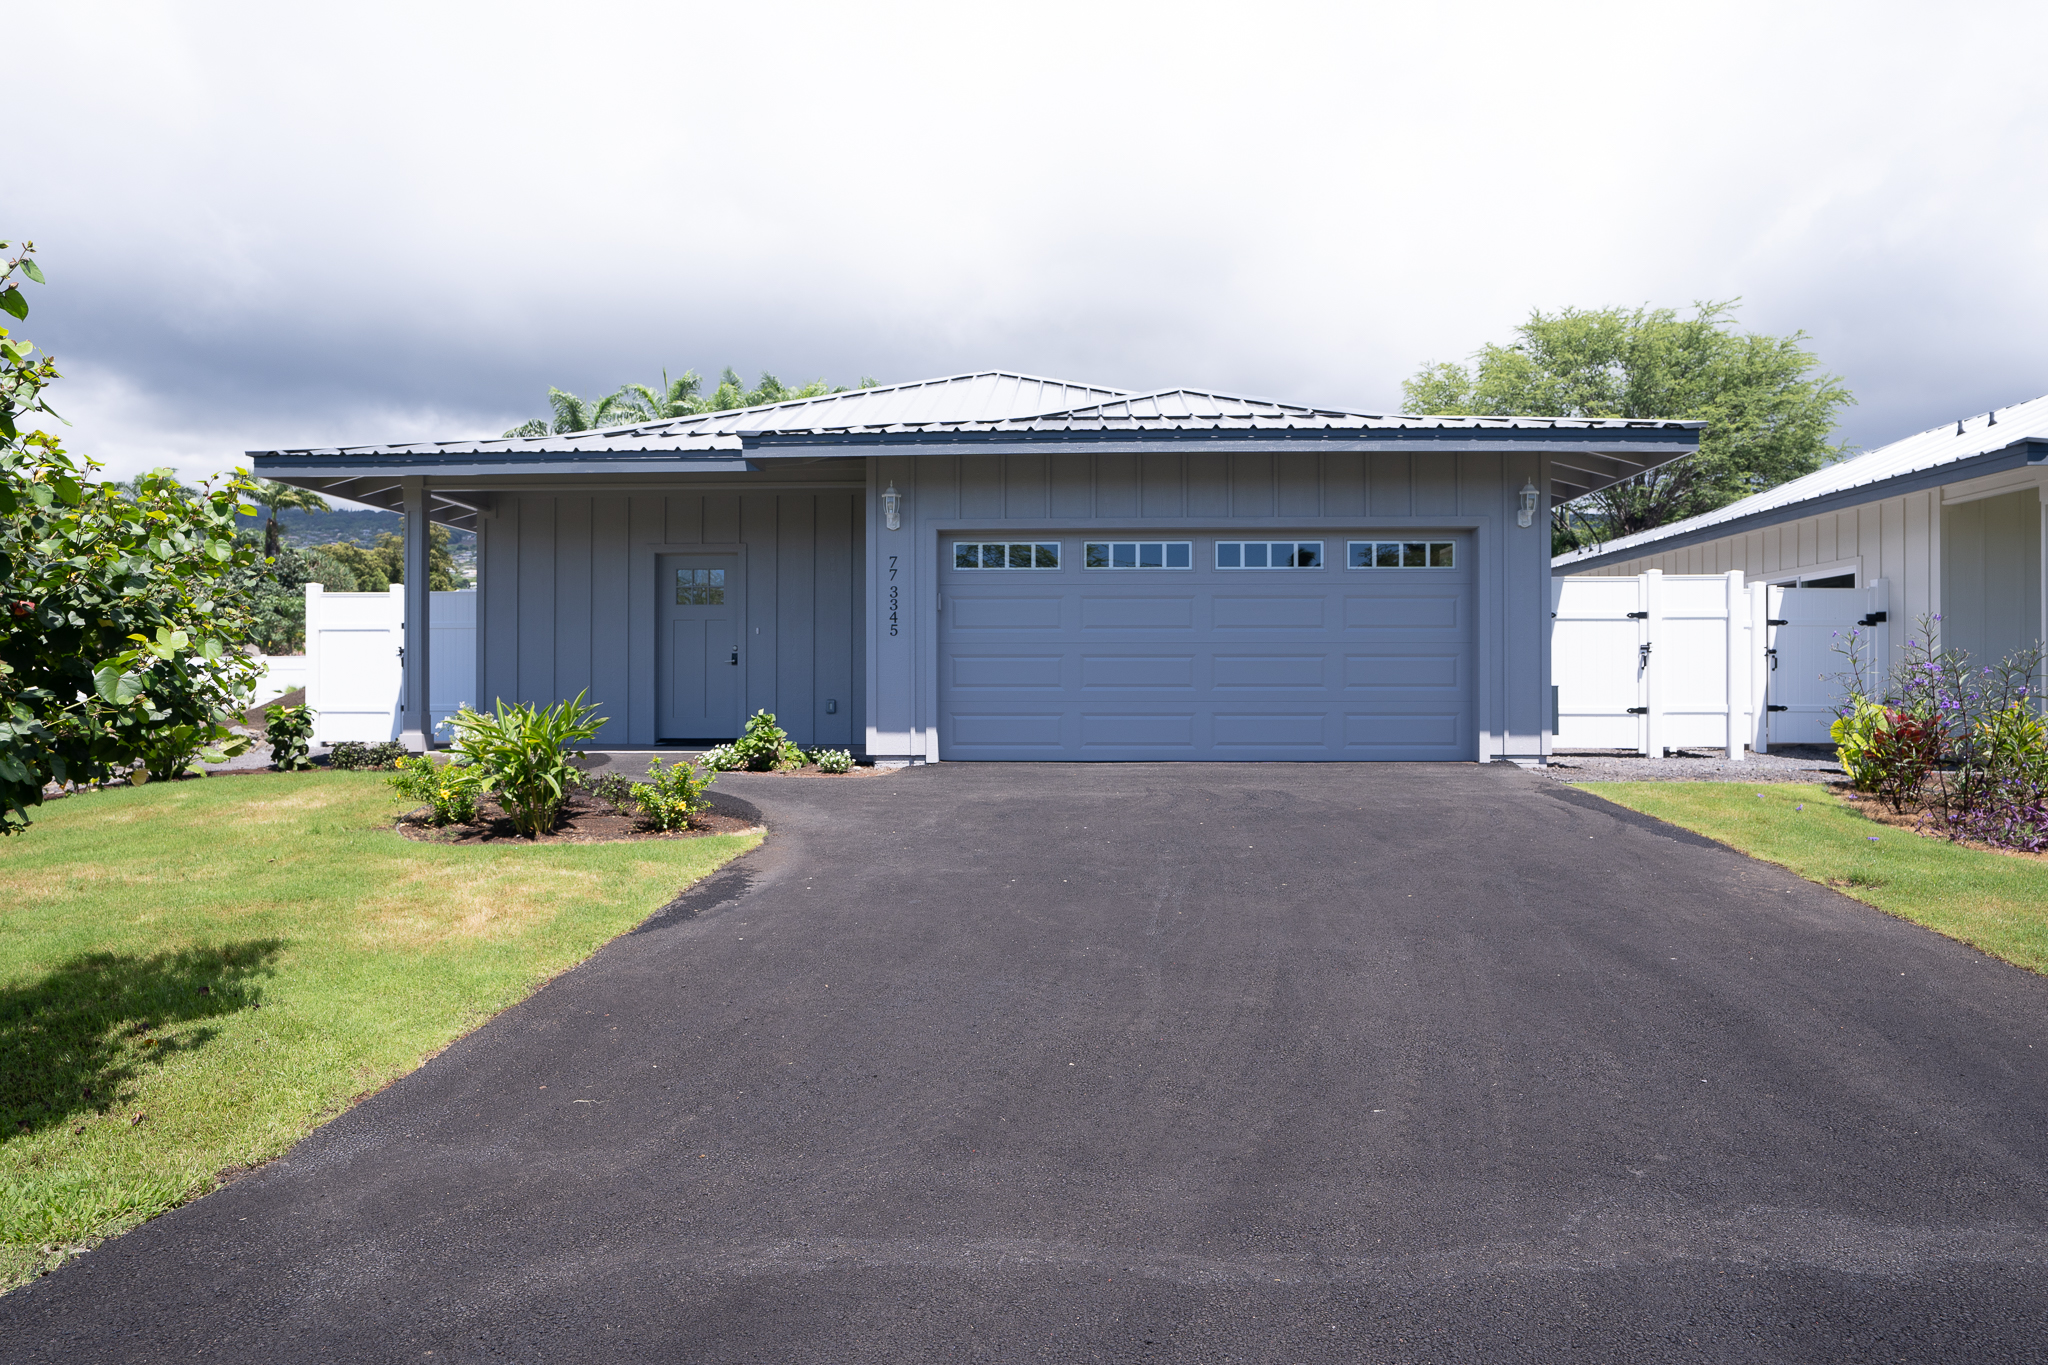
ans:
x=1915 y=819
x=585 y=820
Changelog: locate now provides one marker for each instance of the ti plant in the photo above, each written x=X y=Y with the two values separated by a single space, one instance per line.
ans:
x=522 y=753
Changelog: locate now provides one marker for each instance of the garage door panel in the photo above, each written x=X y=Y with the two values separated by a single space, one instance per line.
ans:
x=1402 y=729
x=1269 y=613
x=1021 y=612
x=1286 y=672
x=1426 y=671
x=1207 y=663
x=1138 y=613
x=1006 y=670
x=1138 y=730
x=1150 y=671
x=1008 y=729
x=1431 y=612
x=1251 y=730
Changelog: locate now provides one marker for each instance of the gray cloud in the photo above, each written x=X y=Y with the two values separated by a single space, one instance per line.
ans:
x=266 y=227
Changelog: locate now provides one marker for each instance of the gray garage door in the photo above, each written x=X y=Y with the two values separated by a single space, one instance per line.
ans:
x=1218 y=646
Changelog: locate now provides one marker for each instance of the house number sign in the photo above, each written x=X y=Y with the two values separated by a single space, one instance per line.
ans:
x=895 y=596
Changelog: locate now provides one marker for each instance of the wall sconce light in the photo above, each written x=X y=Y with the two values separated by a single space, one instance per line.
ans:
x=892 y=508
x=1530 y=496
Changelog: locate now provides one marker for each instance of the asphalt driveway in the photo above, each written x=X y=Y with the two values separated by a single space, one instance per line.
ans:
x=1255 y=1063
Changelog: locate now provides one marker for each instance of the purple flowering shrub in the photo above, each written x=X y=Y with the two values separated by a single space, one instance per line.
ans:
x=1980 y=742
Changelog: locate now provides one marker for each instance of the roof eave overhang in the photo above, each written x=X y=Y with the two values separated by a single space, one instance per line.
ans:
x=1665 y=445
x=2032 y=450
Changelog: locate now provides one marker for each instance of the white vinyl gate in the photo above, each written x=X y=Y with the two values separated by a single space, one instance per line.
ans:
x=1667 y=661
x=353 y=652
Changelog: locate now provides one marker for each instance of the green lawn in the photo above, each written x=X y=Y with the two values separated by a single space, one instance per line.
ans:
x=239 y=958
x=1992 y=901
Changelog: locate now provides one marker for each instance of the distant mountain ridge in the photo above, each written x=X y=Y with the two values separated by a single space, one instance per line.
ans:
x=354 y=526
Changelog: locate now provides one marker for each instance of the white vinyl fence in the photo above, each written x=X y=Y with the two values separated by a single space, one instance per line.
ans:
x=354 y=647
x=1669 y=661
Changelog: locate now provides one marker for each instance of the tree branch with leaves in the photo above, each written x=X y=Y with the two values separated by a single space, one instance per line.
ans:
x=1769 y=410
x=118 y=647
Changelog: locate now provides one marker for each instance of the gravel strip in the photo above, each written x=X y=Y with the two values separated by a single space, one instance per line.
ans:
x=1786 y=763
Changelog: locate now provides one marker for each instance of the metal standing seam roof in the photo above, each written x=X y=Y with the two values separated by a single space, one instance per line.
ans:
x=988 y=395
x=980 y=408
x=990 y=401
x=1878 y=471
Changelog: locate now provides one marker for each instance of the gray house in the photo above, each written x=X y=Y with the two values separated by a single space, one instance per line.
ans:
x=994 y=566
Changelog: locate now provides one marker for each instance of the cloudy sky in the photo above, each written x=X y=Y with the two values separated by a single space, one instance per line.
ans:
x=271 y=225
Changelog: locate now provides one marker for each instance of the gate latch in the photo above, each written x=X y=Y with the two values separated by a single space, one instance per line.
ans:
x=1772 y=655
x=1642 y=656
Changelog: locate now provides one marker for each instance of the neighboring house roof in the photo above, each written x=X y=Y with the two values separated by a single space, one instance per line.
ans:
x=990 y=410
x=1986 y=444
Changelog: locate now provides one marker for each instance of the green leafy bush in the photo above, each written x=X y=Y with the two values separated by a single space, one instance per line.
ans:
x=354 y=756
x=1887 y=751
x=452 y=790
x=833 y=760
x=117 y=645
x=289 y=732
x=672 y=794
x=764 y=746
x=523 y=752
x=613 y=789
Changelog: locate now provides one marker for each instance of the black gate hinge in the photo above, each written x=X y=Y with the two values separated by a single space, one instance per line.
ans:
x=1777 y=708
x=1639 y=616
x=1770 y=622
x=1875 y=618
x=1639 y=710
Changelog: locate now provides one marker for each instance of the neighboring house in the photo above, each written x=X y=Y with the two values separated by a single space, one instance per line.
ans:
x=1951 y=519
x=993 y=566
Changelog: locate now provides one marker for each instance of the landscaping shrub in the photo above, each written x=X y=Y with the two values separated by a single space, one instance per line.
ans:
x=354 y=756
x=1967 y=742
x=452 y=790
x=289 y=732
x=672 y=794
x=833 y=760
x=612 y=789
x=764 y=746
x=522 y=752
x=721 y=758
x=1886 y=751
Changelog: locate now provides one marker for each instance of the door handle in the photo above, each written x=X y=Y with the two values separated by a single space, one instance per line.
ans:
x=735 y=659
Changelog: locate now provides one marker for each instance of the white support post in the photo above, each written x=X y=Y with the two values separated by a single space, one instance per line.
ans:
x=1759 y=667
x=1653 y=700
x=315 y=654
x=1738 y=665
x=415 y=729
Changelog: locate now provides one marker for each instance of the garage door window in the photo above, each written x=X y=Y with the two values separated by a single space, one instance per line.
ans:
x=1269 y=554
x=1006 y=555
x=1402 y=554
x=1139 y=554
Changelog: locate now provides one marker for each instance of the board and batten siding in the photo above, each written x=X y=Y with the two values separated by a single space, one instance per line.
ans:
x=1335 y=491
x=567 y=583
x=1900 y=539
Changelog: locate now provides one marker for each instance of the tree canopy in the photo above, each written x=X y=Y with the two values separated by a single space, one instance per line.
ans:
x=680 y=397
x=118 y=643
x=1769 y=410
